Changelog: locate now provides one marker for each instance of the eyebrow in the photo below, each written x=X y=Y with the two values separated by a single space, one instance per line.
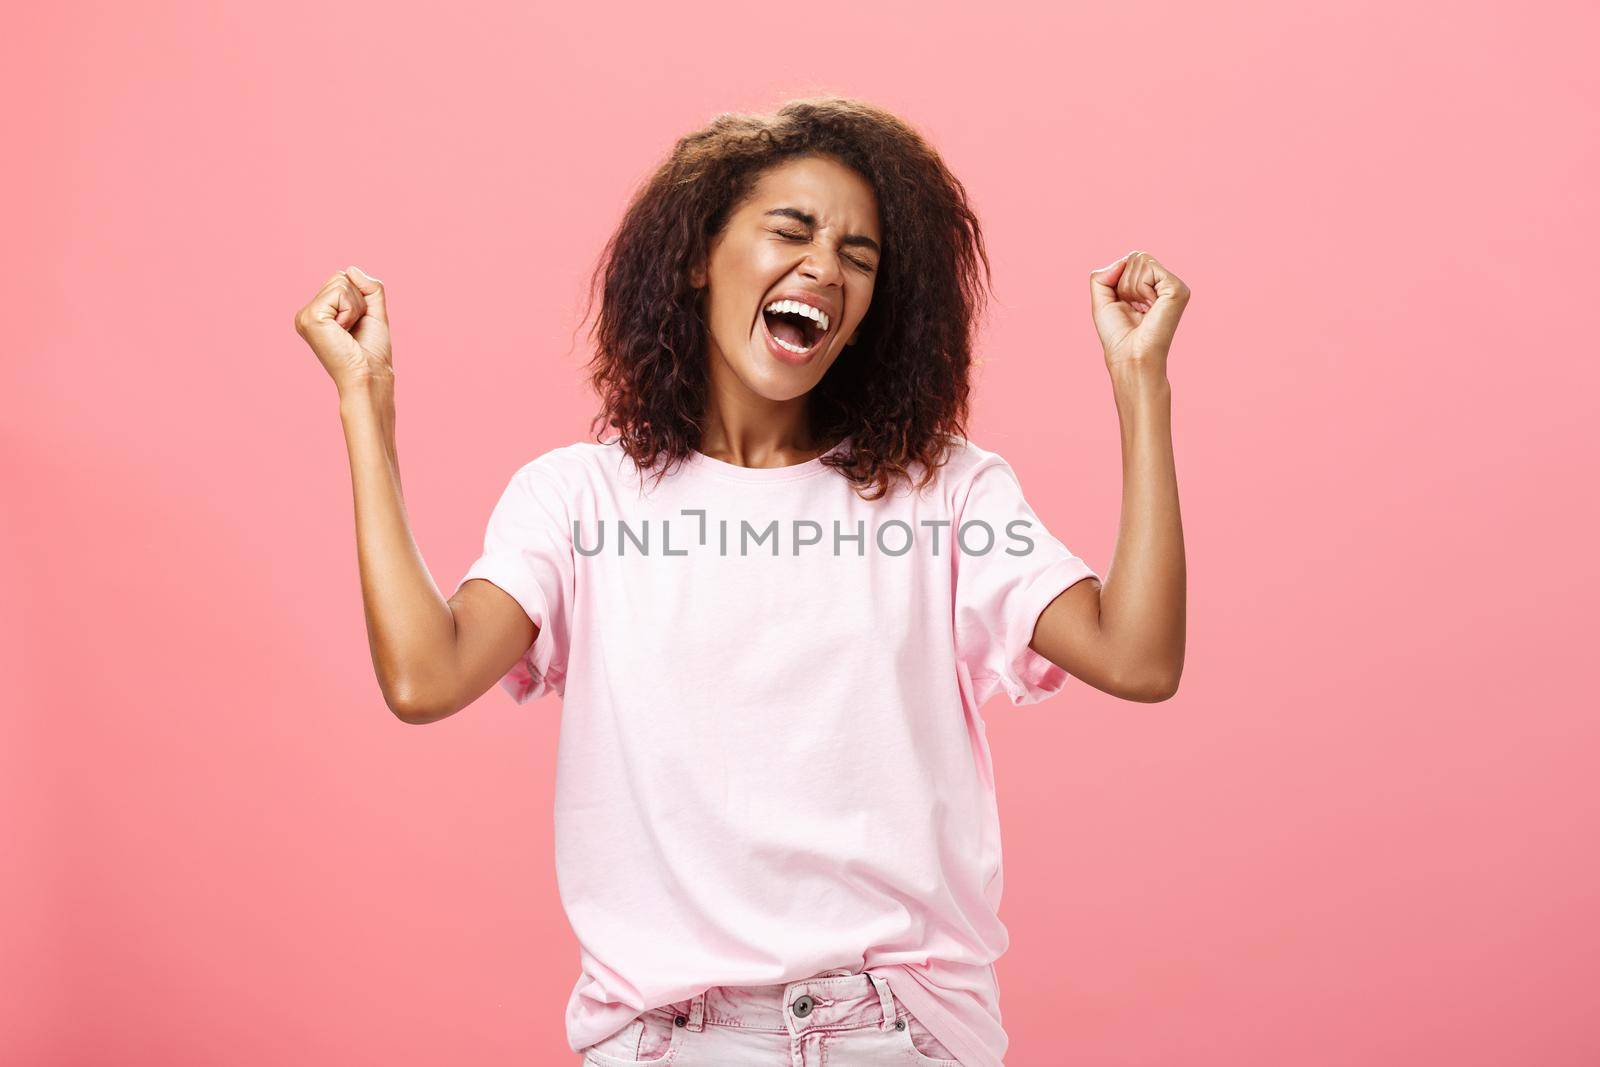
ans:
x=811 y=222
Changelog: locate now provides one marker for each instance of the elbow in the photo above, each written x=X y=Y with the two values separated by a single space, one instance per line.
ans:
x=1166 y=690
x=1152 y=687
x=407 y=712
x=414 y=708
x=409 y=715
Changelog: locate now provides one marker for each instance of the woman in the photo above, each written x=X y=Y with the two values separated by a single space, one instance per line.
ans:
x=775 y=597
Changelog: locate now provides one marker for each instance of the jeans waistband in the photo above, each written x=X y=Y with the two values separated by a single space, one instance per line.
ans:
x=836 y=999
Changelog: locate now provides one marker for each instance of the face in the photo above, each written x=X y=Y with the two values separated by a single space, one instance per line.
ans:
x=807 y=235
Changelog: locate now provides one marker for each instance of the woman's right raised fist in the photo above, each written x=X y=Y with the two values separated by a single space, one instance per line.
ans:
x=347 y=326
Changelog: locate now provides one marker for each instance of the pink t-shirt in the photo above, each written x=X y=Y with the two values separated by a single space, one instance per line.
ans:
x=771 y=759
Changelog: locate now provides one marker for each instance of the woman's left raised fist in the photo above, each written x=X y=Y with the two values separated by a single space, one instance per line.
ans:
x=1136 y=304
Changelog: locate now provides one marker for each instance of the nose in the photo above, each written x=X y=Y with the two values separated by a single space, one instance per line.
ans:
x=823 y=266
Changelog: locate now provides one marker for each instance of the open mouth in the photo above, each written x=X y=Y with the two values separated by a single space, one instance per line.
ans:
x=795 y=326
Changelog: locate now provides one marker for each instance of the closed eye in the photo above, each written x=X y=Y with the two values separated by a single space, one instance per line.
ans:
x=794 y=235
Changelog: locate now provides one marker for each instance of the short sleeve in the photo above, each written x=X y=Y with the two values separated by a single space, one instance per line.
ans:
x=1000 y=593
x=527 y=551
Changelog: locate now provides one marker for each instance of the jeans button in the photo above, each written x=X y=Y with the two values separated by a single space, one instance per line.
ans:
x=899 y=1024
x=679 y=1020
x=802 y=1005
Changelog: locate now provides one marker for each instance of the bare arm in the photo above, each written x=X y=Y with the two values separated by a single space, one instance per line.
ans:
x=432 y=657
x=1127 y=636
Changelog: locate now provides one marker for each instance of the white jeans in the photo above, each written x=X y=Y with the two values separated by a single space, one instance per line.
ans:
x=837 y=1017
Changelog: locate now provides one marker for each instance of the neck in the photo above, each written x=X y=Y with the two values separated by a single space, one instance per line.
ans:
x=747 y=429
x=755 y=441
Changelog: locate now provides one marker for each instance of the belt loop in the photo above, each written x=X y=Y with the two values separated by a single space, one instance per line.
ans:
x=885 y=998
x=697 y=1011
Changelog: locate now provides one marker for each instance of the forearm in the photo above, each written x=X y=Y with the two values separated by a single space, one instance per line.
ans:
x=410 y=628
x=1142 y=597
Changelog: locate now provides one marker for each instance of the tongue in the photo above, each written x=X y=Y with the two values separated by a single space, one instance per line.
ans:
x=786 y=329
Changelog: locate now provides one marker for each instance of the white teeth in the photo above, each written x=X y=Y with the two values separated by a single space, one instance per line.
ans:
x=790 y=347
x=817 y=315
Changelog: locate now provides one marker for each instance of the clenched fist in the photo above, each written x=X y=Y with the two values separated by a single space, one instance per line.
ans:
x=347 y=326
x=1136 y=304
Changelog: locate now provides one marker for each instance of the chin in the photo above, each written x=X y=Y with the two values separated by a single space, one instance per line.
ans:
x=778 y=383
x=773 y=379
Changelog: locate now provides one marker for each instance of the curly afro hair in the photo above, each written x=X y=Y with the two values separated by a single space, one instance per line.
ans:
x=901 y=391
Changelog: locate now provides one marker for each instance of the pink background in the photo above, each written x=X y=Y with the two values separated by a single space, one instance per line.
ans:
x=1362 y=833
